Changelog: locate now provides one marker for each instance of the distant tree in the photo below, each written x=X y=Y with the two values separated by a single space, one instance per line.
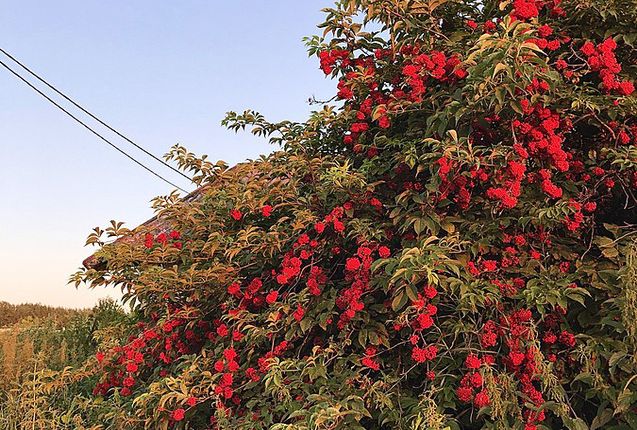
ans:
x=11 y=314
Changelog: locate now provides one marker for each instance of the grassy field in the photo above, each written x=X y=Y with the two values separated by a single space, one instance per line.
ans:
x=42 y=363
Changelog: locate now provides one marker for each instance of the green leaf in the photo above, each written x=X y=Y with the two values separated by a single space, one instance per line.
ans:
x=399 y=301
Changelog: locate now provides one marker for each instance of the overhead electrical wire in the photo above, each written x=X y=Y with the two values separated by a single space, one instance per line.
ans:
x=130 y=157
x=86 y=111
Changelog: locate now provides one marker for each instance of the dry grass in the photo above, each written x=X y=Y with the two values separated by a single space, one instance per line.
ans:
x=44 y=383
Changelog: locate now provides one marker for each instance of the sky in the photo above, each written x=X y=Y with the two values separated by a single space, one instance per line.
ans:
x=160 y=72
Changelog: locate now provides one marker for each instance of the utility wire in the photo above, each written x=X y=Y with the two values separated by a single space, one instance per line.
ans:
x=91 y=114
x=16 y=74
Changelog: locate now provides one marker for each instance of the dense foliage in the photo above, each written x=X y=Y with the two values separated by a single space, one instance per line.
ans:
x=448 y=243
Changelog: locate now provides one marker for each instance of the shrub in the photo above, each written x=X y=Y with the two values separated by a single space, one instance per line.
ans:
x=449 y=244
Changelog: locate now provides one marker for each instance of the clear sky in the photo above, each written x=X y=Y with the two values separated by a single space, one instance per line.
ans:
x=162 y=72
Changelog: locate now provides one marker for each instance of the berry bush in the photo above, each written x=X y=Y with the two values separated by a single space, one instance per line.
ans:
x=449 y=242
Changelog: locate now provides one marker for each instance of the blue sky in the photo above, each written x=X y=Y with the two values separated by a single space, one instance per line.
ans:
x=160 y=72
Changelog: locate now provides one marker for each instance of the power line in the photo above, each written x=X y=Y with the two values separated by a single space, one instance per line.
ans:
x=16 y=74
x=91 y=114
